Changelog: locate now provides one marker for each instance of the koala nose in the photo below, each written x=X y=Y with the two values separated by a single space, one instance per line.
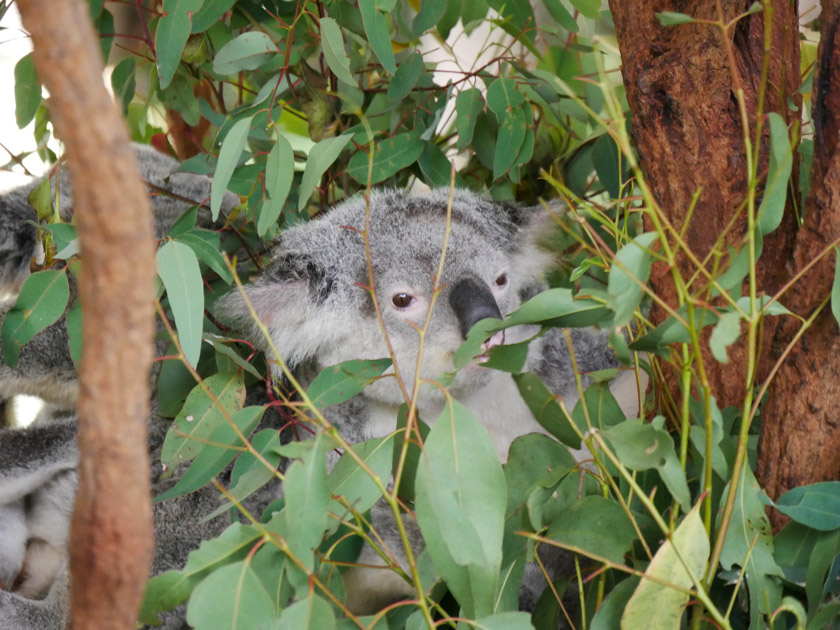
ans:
x=472 y=301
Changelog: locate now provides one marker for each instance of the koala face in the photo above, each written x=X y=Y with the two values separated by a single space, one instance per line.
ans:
x=317 y=301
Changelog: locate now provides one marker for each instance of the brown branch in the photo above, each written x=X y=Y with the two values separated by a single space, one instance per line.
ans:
x=111 y=544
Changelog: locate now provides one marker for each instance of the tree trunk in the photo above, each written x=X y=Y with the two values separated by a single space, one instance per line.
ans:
x=112 y=538
x=800 y=440
x=688 y=131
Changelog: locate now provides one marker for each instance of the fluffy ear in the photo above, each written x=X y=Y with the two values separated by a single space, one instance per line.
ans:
x=290 y=299
x=532 y=258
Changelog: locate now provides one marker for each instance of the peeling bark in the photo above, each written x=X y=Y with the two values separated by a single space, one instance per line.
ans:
x=112 y=537
x=800 y=438
x=687 y=128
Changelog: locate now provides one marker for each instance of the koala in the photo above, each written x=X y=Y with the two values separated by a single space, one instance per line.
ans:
x=326 y=298
x=38 y=463
x=316 y=301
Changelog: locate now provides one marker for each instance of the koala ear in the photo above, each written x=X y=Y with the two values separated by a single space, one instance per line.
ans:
x=532 y=257
x=290 y=298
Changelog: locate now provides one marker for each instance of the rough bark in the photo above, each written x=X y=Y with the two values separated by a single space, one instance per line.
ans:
x=800 y=438
x=687 y=128
x=111 y=545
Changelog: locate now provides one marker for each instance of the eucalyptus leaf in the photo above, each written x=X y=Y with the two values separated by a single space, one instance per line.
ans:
x=178 y=269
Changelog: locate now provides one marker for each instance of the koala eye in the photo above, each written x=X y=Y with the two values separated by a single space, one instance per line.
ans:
x=502 y=280
x=402 y=300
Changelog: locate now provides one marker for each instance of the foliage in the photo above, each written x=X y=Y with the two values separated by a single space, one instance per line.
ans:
x=297 y=105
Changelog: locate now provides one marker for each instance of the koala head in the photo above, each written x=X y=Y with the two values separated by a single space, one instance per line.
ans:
x=315 y=296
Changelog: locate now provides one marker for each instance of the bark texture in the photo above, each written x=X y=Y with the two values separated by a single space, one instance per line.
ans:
x=800 y=438
x=687 y=127
x=112 y=535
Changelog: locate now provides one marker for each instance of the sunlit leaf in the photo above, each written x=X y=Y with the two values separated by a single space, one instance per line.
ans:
x=27 y=91
x=334 y=53
x=628 y=273
x=231 y=151
x=232 y=597
x=245 y=52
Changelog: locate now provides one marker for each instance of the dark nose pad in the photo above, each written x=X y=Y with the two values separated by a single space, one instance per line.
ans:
x=472 y=301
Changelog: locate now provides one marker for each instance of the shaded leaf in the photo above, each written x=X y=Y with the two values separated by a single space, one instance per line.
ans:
x=468 y=104
x=816 y=505
x=376 y=29
x=171 y=36
x=334 y=53
x=545 y=408
x=321 y=157
x=42 y=300
x=231 y=151
x=670 y=18
x=311 y=613
x=772 y=206
x=389 y=156
x=405 y=78
x=724 y=334
x=279 y=174
x=247 y=51
x=595 y=525
x=350 y=480
x=27 y=91
x=631 y=267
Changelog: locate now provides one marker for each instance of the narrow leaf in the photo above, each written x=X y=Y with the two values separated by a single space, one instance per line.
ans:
x=630 y=270
x=229 y=154
x=376 y=29
x=343 y=381
x=27 y=91
x=171 y=36
x=334 y=52
x=321 y=157
x=178 y=269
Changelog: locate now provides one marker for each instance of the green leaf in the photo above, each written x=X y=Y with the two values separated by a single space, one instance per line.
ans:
x=518 y=19
x=436 y=168
x=211 y=11
x=334 y=52
x=545 y=408
x=405 y=78
x=340 y=382
x=671 y=18
x=307 y=500
x=249 y=473
x=630 y=269
x=641 y=446
x=602 y=407
x=348 y=479
x=42 y=300
x=658 y=606
x=200 y=417
x=205 y=244
x=222 y=447
x=389 y=156
x=816 y=505
x=171 y=36
x=561 y=15
x=468 y=104
x=605 y=158
x=321 y=157
x=311 y=613
x=531 y=459
x=172 y=588
x=431 y=11
x=608 y=616
x=596 y=526
x=503 y=97
x=231 y=151
x=279 y=173
x=749 y=544
x=505 y=621
x=232 y=597
x=376 y=29
x=724 y=334
x=27 y=91
x=589 y=8
x=178 y=269
x=123 y=82
x=74 y=331
x=460 y=502
x=772 y=206
x=511 y=135
x=245 y=52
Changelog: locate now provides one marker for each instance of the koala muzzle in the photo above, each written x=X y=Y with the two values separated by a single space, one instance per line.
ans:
x=472 y=301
